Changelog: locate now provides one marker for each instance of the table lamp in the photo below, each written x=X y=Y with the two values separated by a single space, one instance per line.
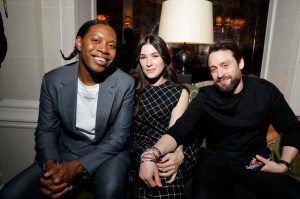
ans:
x=186 y=22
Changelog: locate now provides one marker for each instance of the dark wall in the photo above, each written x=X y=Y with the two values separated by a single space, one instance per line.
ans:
x=250 y=36
x=114 y=9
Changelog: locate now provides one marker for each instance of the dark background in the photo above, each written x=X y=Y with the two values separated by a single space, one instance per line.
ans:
x=250 y=36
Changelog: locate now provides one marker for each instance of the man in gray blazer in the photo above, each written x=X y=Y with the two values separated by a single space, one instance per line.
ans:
x=84 y=123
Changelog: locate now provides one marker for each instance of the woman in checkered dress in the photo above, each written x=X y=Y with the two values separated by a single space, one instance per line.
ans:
x=160 y=100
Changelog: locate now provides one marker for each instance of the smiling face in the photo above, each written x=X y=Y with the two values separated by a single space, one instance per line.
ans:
x=152 y=64
x=97 y=49
x=226 y=71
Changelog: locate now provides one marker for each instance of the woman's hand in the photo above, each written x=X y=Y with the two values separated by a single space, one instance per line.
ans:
x=149 y=174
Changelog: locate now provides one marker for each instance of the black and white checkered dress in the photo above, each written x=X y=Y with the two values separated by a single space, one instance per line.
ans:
x=157 y=103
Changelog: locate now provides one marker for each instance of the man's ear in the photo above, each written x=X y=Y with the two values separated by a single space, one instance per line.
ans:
x=78 y=43
x=241 y=64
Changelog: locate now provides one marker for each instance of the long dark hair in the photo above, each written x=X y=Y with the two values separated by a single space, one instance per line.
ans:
x=169 y=71
x=81 y=33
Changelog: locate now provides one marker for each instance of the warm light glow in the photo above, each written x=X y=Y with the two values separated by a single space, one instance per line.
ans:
x=218 y=21
x=189 y=21
x=102 y=17
x=127 y=21
x=239 y=23
x=227 y=21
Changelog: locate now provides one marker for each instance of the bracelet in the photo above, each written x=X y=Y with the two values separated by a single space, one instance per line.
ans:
x=150 y=154
x=157 y=151
x=150 y=160
x=288 y=165
x=153 y=154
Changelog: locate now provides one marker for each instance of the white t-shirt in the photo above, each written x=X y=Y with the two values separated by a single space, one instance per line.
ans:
x=87 y=98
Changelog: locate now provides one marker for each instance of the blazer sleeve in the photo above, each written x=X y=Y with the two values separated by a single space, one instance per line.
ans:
x=48 y=127
x=117 y=135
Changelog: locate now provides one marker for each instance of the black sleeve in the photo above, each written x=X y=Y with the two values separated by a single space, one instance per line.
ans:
x=184 y=126
x=284 y=120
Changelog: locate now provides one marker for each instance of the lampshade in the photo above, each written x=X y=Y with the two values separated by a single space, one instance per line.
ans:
x=186 y=21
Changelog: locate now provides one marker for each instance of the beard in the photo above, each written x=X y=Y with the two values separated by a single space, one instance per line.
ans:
x=230 y=88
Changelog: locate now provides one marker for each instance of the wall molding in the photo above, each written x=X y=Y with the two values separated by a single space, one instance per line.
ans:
x=18 y=113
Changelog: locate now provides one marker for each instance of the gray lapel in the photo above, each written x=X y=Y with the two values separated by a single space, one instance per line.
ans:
x=106 y=96
x=69 y=97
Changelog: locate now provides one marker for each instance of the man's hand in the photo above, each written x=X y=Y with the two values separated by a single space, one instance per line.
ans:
x=169 y=165
x=52 y=190
x=271 y=166
x=68 y=171
x=58 y=177
x=149 y=174
x=49 y=187
x=51 y=168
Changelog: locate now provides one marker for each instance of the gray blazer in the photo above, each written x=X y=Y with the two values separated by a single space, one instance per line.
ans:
x=55 y=135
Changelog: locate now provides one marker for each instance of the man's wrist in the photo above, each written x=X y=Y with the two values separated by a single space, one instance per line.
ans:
x=287 y=164
x=48 y=163
x=79 y=168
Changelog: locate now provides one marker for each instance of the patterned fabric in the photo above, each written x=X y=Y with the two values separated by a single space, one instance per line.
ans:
x=157 y=103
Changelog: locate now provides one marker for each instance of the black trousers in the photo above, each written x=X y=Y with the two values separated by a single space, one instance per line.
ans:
x=217 y=173
x=108 y=182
